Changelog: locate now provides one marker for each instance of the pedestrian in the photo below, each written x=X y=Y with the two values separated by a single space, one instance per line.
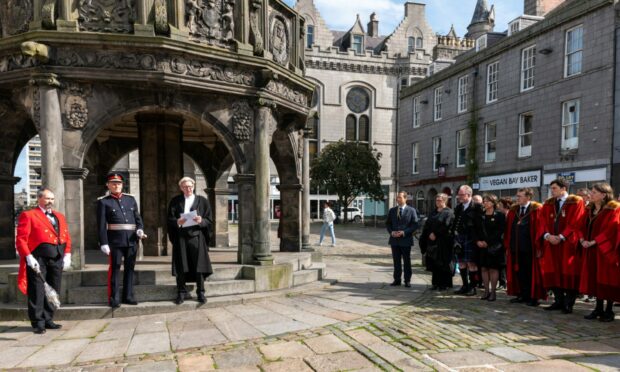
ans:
x=44 y=246
x=401 y=222
x=328 y=223
x=584 y=193
x=466 y=229
x=563 y=217
x=600 y=275
x=189 y=228
x=120 y=226
x=504 y=204
x=522 y=250
x=437 y=244
x=491 y=247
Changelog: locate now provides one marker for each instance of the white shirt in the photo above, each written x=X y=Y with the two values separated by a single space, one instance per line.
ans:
x=466 y=205
x=189 y=201
x=562 y=199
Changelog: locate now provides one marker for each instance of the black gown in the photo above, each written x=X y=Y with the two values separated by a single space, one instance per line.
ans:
x=439 y=253
x=494 y=231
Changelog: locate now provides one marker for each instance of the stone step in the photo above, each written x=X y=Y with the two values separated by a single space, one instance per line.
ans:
x=298 y=261
x=159 y=292
x=305 y=277
x=4 y=292
x=150 y=277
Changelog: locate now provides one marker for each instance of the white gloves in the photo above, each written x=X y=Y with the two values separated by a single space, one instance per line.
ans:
x=141 y=234
x=66 y=261
x=105 y=249
x=33 y=263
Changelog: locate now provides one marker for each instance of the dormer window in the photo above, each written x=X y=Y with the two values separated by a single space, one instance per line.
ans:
x=357 y=43
x=481 y=43
x=515 y=26
x=309 y=36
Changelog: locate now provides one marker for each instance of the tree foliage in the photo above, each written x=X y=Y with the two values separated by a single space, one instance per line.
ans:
x=349 y=170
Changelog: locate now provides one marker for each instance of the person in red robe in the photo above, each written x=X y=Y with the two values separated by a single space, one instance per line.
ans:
x=600 y=274
x=523 y=250
x=561 y=220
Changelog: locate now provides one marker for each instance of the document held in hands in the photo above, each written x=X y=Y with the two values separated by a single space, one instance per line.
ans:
x=189 y=219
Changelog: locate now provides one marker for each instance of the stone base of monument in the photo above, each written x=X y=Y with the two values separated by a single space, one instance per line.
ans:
x=84 y=292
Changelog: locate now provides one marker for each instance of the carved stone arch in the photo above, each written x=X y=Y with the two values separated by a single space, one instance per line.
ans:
x=414 y=31
x=284 y=153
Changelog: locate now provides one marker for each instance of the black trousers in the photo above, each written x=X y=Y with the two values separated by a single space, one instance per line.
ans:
x=39 y=310
x=524 y=275
x=182 y=279
x=400 y=256
x=127 y=256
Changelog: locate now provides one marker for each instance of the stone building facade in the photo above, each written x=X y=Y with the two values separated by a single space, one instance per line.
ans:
x=220 y=82
x=518 y=110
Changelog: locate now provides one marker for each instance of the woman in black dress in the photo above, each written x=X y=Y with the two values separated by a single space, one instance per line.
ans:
x=437 y=243
x=491 y=249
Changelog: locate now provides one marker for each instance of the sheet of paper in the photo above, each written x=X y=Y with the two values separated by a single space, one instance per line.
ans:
x=189 y=218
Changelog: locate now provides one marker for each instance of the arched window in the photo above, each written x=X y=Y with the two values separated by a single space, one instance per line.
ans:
x=411 y=44
x=419 y=201
x=358 y=121
x=309 y=36
x=419 y=43
x=363 y=129
x=351 y=128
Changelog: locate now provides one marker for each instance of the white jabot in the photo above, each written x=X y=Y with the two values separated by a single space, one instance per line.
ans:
x=189 y=201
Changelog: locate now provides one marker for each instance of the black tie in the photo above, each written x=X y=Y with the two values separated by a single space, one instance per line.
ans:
x=52 y=218
x=522 y=211
x=399 y=212
x=557 y=205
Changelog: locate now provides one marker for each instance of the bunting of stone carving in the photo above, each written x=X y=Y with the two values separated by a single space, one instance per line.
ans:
x=211 y=20
x=106 y=15
x=15 y=16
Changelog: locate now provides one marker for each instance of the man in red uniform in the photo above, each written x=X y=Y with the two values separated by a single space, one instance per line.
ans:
x=44 y=246
x=562 y=217
x=522 y=250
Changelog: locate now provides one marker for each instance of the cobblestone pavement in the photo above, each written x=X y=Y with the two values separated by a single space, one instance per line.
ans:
x=358 y=324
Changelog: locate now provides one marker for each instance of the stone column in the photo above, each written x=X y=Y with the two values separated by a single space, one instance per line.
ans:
x=141 y=26
x=74 y=206
x=48 y=121
x=65 y=21
x=161 y=168
x=305 y=198
x=218 y=198
x=262 y=227
x=291 y=222
x=7 y=217
x=245 y=189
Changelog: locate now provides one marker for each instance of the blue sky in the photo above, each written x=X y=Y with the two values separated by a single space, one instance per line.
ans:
x=441 y=14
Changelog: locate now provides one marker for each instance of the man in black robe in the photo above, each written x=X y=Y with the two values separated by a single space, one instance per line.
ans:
x=189 y=224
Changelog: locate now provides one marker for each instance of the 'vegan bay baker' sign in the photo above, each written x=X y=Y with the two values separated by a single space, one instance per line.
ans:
x=511 y=181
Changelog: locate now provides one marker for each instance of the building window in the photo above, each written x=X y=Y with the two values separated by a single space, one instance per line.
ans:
x=570 y=125
x=436 y=152
x=481 y=43
x=463 y=89
x=416 y=112
x=419 y=201
x=514 y=27
x=358 y=100
x=419 y=43
x=351 y=131
x=415 y=156
x=403 y=82
x=574 y=51
x=492 y=70
x=309 y=36
x=490 y=142
x=528 y=62
x=313 y=137
x=358 y=122
x=358 y=42
x=525 y=134
x=461 y=148
x=437 y=103
x=411 y=44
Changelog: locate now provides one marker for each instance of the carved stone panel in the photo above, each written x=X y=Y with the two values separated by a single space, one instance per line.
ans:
x=256 y=37
x=15 y=16
x=283 y=90
x=279 y=38
x=161 y=17
x=211 y=20
x=106 y=15
x=242 y=121
x=74 y=105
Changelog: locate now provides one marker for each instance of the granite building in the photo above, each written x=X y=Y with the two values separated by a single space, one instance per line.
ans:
x=521 y=108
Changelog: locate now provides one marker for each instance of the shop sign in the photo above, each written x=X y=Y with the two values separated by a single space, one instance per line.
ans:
x=510 y=181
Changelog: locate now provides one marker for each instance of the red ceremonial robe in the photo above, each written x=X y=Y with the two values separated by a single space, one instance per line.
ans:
x=512 y=266
x=561 y=264
x=34 y=229
x=600 y=275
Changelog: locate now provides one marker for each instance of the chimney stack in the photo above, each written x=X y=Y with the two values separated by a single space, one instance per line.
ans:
x=540 y=7
x=373 y=26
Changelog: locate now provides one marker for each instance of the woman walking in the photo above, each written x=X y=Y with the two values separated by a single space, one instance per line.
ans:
x=492 y=257
x=328 y=223
x=437 y=243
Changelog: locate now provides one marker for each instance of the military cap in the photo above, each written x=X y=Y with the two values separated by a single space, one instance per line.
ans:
x=114 y=177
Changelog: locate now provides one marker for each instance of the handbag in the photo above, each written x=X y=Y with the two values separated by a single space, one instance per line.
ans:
x=432 y=251
x=495 y=249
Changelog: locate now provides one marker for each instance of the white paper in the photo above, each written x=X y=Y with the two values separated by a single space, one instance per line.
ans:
x=189 y=219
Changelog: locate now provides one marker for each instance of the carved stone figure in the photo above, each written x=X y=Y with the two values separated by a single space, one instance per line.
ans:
x=161 y=18
x=256 y=38
x=279 y=41
x=15 y=16
x=228 y=21
x=210 y=20
x=106 y=15
x=242 y=121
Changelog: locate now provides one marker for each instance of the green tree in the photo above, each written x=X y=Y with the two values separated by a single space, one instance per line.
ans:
x=349 y=170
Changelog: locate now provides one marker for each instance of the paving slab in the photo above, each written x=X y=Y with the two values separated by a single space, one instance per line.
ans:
x=85 y=329
x=602 y=363
x=590 y=347
x=163 y=366
x=238 y=358
x=115 y=334
x=148 y=343
x=58 y=352
x=348 y=360
x=233 y=327
x=327 y=344
x=549 y=351
x=545 y=366
x=285 y=350
x=102 y=350
x=297 y=365
x=198 y=337
x=195 y=363
x=281 y=327
x=466 y=358
x=378 y=346
x=12 y=356
x=511 y=354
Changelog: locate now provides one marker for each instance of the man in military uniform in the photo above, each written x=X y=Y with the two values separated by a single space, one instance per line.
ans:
x=120 y=227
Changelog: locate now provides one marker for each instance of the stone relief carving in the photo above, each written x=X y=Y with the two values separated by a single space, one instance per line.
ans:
x=161 y=18
x=210 y=20
x=74 y=104
x=242 y=121
x=15 y=16
x=48 y=14
x=16 y=62
x=279 y=38
x=283 y=90
x=256 y=37
x=106 y=15
x=36 y=108
x=300 y=143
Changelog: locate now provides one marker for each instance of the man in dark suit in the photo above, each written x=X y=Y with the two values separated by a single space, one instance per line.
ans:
x=120 y=227
x=44 y=245
x=189 y=224
x=402 y=221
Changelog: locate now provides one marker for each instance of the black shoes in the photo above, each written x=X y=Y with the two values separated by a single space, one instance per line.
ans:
x=492 y=297
x=567 y=309
x=395 y=284
x=607 y=316
x=51 y=325
x=471 y=292
x=593 y=315
x=532 y=303
x=38 y=330
x=485 y=296
x=461 y=290
x=130 y=302
x=554 y=306
x=114 y=305
x=407 y=284
x=180 y=299
x=201 y=298
x=517 y=300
